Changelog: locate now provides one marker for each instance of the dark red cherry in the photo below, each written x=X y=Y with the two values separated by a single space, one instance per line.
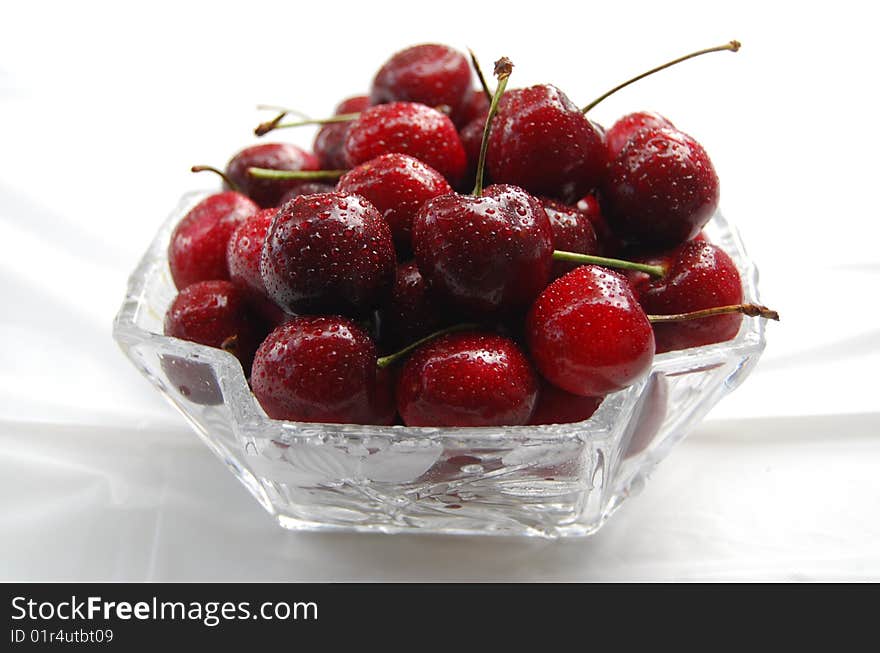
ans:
x=411 y=313
x=624 y=129
x=556 y=406
x=321 y=369
x=572 y=232
x=588 y=334
x=273 y=156
x=699 y=275
x=476 y=106
x=216 y=314
x=397 y=185
x=660 y=190
x=306 y=188
x=328 y=253
x=467 y=379
x=197 y=250
x=484 y=255
x=407 y=128
x=609 y=244
x=542 y=142
x=472 y=138
x=329 y=145
x=431 y=74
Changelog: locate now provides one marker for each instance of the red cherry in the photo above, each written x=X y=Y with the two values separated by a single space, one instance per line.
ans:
x=330 y=139
x=407 y=128
x=467 y=379
x=321 y=369
x=609 y=244
x=306 y=188
x=472 y=138
x=476 y=106
x=624 y=129
x=587 y=333
x=197 y=250
x=556 y=406
x=431 y=74
x=661 y=189
x=700 y=276
x=542 y=142
x=485 y=255
x=572 y=232
x=397 y=185
x=273 y=156
x=411 y=313
x=216 y=314
x=328 y=253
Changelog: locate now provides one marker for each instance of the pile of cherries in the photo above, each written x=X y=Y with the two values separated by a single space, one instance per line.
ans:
x=366 y=283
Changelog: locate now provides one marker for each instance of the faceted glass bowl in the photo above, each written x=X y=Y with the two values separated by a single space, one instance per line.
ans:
x=561 y=480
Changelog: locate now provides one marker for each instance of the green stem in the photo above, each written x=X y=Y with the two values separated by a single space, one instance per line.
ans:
x=733 y=46
x=503 y=68
x=265 y=127
x=589 y=259
x=752 y=310
x=222 y=174
x=342 y=117
x=480 y=76
x=268 y=173
x=390 y=359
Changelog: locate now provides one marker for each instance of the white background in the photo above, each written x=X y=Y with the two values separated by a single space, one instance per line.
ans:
x=103 y=108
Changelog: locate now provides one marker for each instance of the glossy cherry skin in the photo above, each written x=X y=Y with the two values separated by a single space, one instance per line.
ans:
x=397 y=185
x=624 y=129
x=542 y=142
x=306 y=188
x=476 y=106
x=328 y=253
x=572 y=232
x=329 y=145
x=197 y=250
x=275 y=156
x=588 y=334
x=243 y=258
x=487 y=255
x=660 y=190
x=609 y=244
x=472 y=139
x=411 y=312
x=216 y=314
x=556 y=406
x=467 y=379
x=407 y=128
x=431 y=74
x=321 y=369
x=699 y=275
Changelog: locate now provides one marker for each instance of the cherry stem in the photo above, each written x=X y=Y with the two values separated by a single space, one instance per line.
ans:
x=480 y=75
x=268 y=173
x=391 y=359
x=265 y=127
x=342 y=117
x=752 y=310
x=732 y=46
x=222 y=174
x=503 y=68
x=589 y=259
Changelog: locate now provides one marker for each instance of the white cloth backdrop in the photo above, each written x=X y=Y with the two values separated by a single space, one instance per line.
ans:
x=102 y=110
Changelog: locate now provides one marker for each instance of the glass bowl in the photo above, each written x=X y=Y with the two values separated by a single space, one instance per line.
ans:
x=561 y=480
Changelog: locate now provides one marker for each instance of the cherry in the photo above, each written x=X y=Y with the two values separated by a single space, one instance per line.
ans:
x=330 y=252
x=411 y=313
x=431 y=74
x=588 y=334
x=572 y=232
x=699 y=276
x=660 y=190
x=397 y=185
x=556 y=406
x=624 y=129
x=407 y=128
x=471 y=139
x=306 y=188
x=467 y=379
x=274 y=156
x=542 y=142
x=321 y=369
x=197 y=249
x=215 y=313
x=609 y=244
x=330 y=139
x=475 y=108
